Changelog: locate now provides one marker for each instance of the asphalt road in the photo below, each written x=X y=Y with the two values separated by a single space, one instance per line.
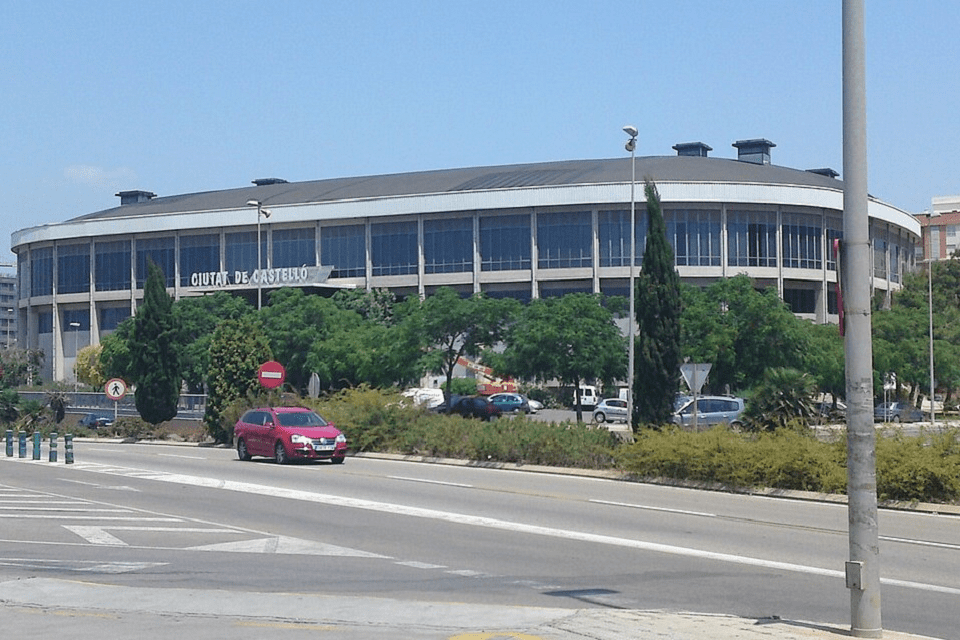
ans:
x=146 y=519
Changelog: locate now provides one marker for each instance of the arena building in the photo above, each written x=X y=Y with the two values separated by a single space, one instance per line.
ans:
x=523 y=231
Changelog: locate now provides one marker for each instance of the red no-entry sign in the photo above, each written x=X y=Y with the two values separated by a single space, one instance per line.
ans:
x=271 y=374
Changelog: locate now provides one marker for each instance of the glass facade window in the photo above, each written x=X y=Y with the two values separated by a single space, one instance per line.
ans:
x=448 y=245
x=78 y=317
x=22 y=272
x=294 y=247
x=834 y=232
x=505 y=242
x=393 y=248
x=112 y=265
x=564 y=240
x=73 y=268
x=751 y=239
x=613 y=229
x=801 y=242
x=895 y=262
x=934 y=243
x=161 y=251
x=110 y=317
x=45 y=322
x=695 y=236
x=41 y=272
x=240 y=251
x=198 y=254
x=801 y=300
x=879 y=258
x=344 y=248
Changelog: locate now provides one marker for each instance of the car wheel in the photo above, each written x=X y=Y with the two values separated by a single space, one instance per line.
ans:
x=896 y=419
x=337 y=460
x=600 y=417
x=280 y=454
x=242 y=452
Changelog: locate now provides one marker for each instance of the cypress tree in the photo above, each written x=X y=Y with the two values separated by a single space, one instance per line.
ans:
x=155 y=361
x=657 y=344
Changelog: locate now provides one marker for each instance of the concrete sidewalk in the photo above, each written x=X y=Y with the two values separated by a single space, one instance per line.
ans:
x=40 y=608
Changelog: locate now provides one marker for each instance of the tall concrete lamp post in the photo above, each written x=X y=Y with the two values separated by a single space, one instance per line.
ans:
x=266 y=214
x=933 y=409
x=631 y=146
x=76 y=361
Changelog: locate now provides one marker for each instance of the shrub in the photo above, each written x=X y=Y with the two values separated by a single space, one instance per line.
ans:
x=922 y=468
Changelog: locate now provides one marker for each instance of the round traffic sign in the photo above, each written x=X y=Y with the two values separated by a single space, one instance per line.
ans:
x=271 y=374
x=115 y=388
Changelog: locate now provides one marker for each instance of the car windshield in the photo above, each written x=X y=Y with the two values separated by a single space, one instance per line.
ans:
x=301 y=419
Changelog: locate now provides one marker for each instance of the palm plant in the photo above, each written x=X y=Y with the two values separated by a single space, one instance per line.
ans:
x=783 y=399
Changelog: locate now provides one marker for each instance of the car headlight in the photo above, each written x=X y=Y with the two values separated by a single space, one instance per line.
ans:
x=300 y=439
x=341 y=438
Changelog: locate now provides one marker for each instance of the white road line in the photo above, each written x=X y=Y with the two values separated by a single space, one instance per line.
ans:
x=425 y=481
x=503 y=525
x=99 y=535
x=650 y=508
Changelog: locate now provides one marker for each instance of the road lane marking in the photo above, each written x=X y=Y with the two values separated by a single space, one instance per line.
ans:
x=99 y=535
x=515 y=527
x=650 y=508
x=425 y=481
x=89 y=566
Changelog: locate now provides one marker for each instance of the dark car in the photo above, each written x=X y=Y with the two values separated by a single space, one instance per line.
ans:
x=897 y=412
x=288 y=433
x=471 y=407
x=95 y=420
x=510 y=402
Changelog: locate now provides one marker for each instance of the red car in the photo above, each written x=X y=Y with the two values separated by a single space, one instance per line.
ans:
x=288 y=433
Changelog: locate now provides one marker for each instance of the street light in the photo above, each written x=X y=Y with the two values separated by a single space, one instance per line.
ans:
x=266 y=214
x=76 y=378
x=631 y=146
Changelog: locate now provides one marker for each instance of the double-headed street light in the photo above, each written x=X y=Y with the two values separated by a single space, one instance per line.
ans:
x=266 y=214
x=933 y=410
x=631 y=146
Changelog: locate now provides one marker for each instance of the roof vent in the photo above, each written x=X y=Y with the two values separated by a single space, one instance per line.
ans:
x=698 y=149
x=826 y=171
x=135 y=196
x=262 y=182
x=756 y=151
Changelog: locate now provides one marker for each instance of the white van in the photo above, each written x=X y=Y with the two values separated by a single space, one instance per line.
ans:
x=588 y=396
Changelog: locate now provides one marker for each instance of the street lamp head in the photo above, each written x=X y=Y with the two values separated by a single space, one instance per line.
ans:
x=631 y=145
x=253 y=203
x=631 y=131
x=266 y=212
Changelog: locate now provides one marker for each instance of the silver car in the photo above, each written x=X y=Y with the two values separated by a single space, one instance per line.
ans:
x=711 y=410
x=610 y=409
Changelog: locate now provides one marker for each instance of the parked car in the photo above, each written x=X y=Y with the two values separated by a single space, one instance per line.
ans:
x=611 y=409
x=288 y=433
x=535 y=405
x=95 y=420
x=897 y=412
x=510 y=402
x=470 y=407
x=588 y=397
x=711 y=410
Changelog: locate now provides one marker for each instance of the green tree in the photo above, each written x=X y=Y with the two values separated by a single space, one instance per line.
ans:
x=197 y=318
x=657 y=345
x=88 y=367
x=116 y=358
x=9 y=399
x=237 y=350
x=155 y=361
x=572 y=339
x=452 y=327
x=784 y=399
x=742 y=332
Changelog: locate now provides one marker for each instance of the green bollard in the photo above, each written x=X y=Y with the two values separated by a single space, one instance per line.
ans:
x=9 y=443
x=53 y=447
x=68 y=448
x=36 y=445
x=22 y=444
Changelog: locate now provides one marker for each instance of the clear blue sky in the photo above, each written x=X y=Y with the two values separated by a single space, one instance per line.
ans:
x=176 y=97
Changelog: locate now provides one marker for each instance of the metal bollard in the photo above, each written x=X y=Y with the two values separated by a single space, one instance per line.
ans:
x=68 y=448
x=9 y=443
x=36 y=445
x=53 y=447
x=22 y=444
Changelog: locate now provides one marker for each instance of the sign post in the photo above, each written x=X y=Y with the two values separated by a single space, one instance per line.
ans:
x=695 y=374
x=115 y=389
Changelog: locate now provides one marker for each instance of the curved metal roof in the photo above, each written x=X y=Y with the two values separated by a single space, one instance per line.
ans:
x=474 y=179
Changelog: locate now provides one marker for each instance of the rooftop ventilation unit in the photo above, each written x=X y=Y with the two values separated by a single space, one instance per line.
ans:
x=698 y=149
x=135 y=196
x=756 y=151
